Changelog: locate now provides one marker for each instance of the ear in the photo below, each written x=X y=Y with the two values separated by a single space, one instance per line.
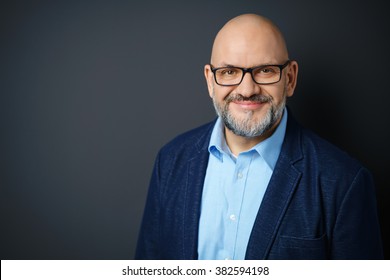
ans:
x=209 y=79
x=291 y=76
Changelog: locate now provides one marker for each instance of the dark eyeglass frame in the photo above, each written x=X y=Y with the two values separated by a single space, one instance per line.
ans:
x=250 y=70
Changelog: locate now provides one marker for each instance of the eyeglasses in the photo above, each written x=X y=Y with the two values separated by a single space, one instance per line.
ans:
x=262 y=75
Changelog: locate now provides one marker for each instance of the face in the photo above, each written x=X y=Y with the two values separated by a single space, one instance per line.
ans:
x=250 y=109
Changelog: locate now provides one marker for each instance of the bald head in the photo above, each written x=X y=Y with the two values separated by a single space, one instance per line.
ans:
x=249 y=40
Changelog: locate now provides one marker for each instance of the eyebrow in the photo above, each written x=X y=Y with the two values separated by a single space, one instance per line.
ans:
x=225 y=64
x=257 y=65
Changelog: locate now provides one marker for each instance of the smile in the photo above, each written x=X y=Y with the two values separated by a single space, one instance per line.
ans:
x=248 y=105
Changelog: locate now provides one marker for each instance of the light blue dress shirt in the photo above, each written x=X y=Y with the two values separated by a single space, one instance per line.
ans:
x=233 y=190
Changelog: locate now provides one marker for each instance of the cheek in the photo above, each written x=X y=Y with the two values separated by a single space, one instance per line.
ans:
x=278 y=94
x=220 y=93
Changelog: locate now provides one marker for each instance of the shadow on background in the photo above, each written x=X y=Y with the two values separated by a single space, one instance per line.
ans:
x=90 y=90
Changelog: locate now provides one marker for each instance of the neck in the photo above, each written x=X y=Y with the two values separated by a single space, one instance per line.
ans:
x=238 y=144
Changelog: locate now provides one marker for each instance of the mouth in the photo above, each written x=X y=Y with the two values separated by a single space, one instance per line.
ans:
x=248 y=105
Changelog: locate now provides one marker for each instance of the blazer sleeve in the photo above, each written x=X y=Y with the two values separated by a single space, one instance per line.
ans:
x=356 y=234
x=148 y=239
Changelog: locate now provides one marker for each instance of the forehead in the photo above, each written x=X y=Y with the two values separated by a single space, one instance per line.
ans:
x=247 y=55
x=248 y=47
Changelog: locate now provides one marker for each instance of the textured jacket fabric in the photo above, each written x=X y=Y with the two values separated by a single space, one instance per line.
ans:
x=320 y=203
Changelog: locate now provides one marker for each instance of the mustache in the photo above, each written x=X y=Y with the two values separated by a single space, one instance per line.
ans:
x=253 y=98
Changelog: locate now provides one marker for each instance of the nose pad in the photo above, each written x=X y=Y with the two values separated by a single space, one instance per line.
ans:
x=248 y=75
x=248 y=87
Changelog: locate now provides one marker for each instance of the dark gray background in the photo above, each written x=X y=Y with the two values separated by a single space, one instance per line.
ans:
x=90 y=90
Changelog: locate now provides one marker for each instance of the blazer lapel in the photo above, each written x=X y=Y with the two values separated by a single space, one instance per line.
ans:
x=196 y=173
x=279 y=192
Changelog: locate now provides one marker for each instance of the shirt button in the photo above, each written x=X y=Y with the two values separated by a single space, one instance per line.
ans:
x=232 y=217
x=239 y=175
x=227 y=259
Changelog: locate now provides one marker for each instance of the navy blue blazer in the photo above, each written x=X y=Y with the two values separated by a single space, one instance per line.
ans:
x=320 y=203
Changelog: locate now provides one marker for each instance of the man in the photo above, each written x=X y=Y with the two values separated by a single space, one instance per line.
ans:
x=254 y=184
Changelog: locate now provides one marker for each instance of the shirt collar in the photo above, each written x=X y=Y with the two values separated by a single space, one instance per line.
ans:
x=269 y=149
x=217 y=145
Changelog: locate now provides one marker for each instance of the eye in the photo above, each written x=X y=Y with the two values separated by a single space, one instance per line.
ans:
x=228 y=72
x=268 y=70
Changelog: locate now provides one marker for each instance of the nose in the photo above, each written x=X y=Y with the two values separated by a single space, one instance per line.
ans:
x=248 y=87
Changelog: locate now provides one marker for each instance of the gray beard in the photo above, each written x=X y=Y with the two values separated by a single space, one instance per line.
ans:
x=246 y=127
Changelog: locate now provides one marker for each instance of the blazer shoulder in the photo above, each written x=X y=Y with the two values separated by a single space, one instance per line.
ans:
x=327 y=154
